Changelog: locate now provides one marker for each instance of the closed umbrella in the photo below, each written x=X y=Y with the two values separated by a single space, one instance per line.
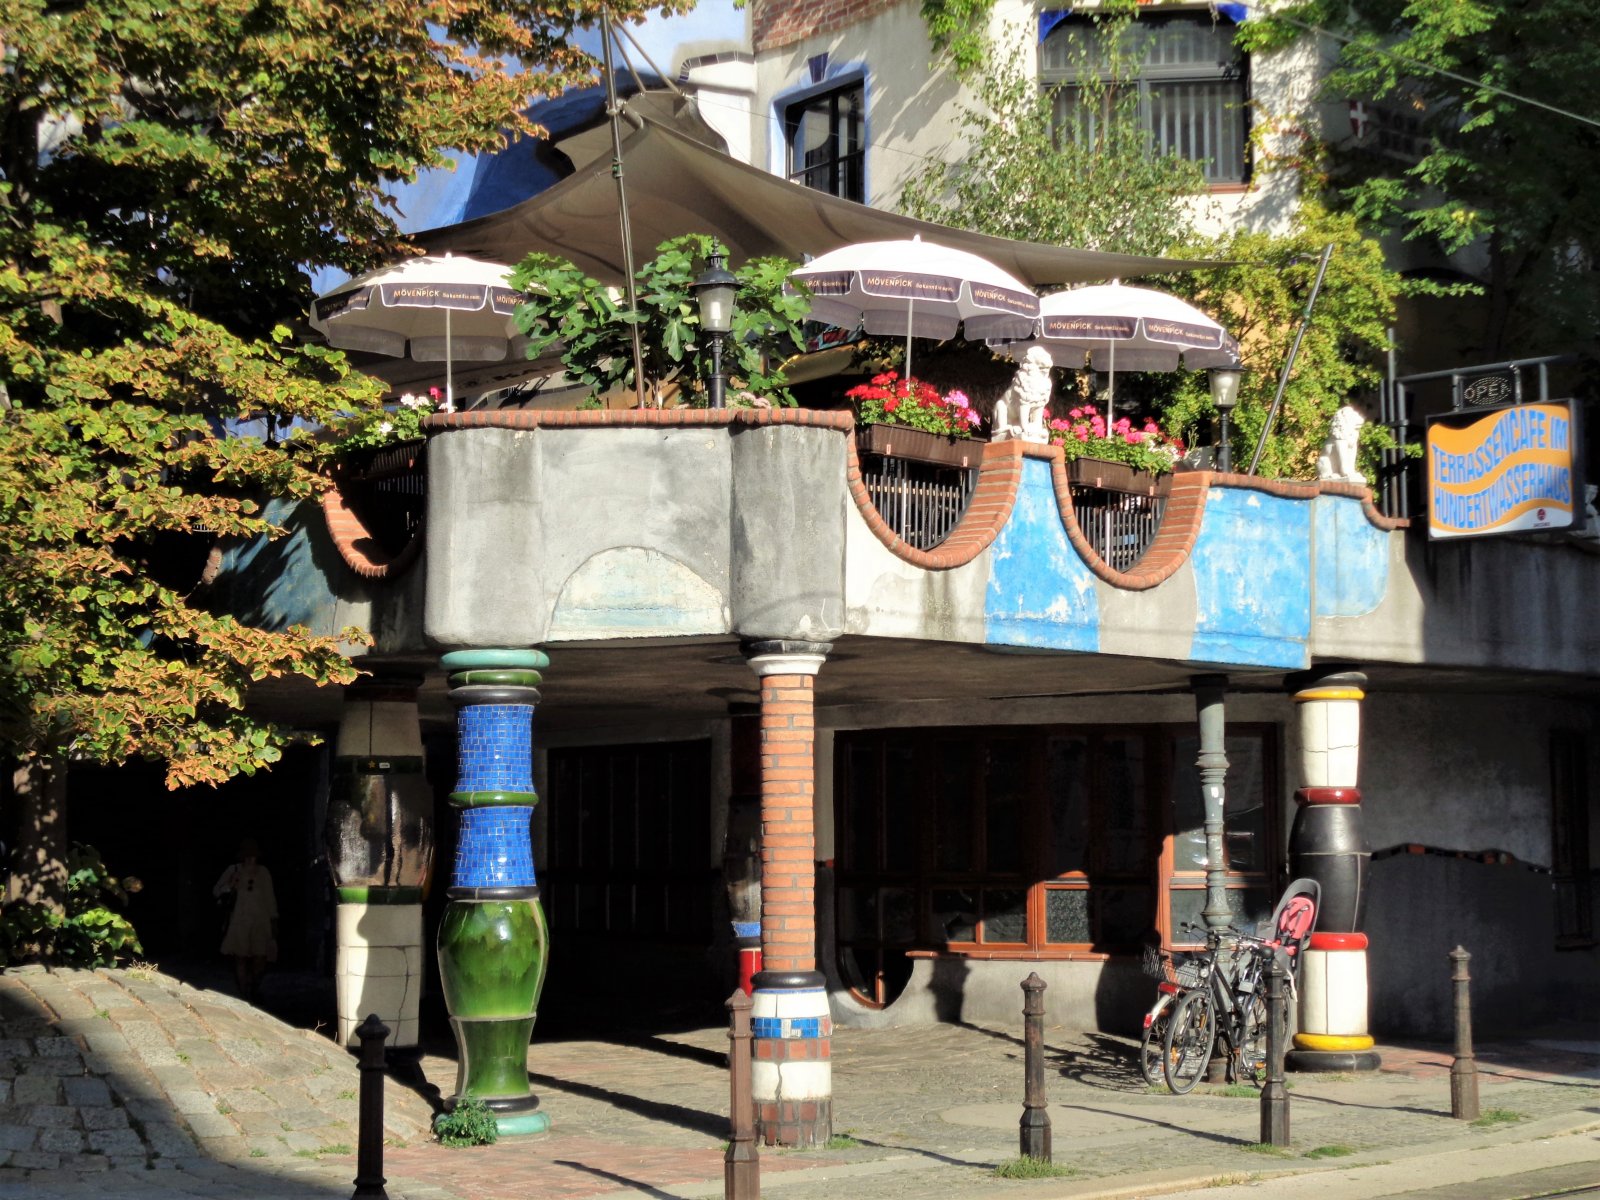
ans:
x=919 y=289
x=443 y=308
x=1134 y=328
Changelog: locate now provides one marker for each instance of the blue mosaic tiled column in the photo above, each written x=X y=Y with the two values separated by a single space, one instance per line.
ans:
x=493 y=941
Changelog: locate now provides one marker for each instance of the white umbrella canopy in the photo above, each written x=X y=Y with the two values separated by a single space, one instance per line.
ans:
x=1126 y=328
x=919 y=289
x=437 y=308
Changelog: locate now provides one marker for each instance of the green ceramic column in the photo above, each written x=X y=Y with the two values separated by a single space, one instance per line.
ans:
x=493 y=941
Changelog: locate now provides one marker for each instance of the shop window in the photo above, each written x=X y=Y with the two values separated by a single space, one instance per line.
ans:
x=628 y=842
x=1191 y=86
x=1033 y=842
x=826 y=139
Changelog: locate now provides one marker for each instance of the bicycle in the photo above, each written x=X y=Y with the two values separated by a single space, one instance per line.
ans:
x=1226 y=1006
x=1174 y=974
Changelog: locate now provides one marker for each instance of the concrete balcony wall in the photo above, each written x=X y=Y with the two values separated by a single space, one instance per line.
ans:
x=599 y=527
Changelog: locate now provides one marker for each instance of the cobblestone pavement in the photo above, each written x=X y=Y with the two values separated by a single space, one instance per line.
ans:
x=123 y=1084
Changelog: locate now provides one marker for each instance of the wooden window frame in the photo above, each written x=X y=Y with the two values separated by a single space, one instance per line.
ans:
x=925 y=878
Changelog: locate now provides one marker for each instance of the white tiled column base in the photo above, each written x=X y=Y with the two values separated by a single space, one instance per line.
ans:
x=379 y=969
x=1333 y=992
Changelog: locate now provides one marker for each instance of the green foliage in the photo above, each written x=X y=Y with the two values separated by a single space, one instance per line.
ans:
x=469 y=1123
x=170 y=172
x=1260 y=298
x=1333 y=1151
x=376 y=428
x=1026 y=1167
x=1504 y=176
x=1498 y=1116
x=88 y=933
x=593 y=326
x=960 y=28
x=1021 y=178
x=842 y=1141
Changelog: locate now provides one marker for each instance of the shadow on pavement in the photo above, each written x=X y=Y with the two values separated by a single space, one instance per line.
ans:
x=712 y=1124
x=644 y=1189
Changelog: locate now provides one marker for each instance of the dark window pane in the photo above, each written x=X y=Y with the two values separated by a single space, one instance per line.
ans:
x=953 y=808
x=858 y=845
x=1123 y=915
x=900 y=808
x=1247 y=909
x=826 y=138
x=1005 y=915
x=1066 y=916
x=1004 y=777
x=955 y=915
x=1124 y=842
x=1244 y=810
x=1067 y=778
x=899 y=908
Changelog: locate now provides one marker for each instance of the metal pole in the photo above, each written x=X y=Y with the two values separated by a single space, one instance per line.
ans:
x=1213 y=766
x=1294 y=351
x=718 y=384
x=614 y=112
x=741 y=1165
x=1035 y=1136
x=1464 y=1071
x=1275 y=1095
x=1224 y=451
x=369 y=1178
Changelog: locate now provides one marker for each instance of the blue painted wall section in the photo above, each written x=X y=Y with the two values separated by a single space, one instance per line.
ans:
x=1252 y=572
x=1352 y=559
x=1040 y=591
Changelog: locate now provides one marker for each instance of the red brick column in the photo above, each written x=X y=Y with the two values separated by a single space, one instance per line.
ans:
x=791 y=1075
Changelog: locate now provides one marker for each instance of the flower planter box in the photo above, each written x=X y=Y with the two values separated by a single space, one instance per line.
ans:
x=899 y=441
x=1117 y=477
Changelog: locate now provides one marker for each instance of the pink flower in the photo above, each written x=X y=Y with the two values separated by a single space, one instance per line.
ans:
x=1082 y=434
x=1076 y=413
x=1133 y=437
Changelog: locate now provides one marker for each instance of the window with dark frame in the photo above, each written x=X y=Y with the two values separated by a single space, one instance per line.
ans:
x=1571 y=871
x=1192 y=87
x=826 y=139
x=1033 y=842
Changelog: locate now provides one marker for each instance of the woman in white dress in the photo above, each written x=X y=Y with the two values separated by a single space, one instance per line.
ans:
x=252 y=935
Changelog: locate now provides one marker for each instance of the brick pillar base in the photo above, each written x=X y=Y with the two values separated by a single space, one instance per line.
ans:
x=792 y=1072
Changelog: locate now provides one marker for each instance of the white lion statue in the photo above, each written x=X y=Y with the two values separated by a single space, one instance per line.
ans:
x=1020 y=412
x=1337 y=462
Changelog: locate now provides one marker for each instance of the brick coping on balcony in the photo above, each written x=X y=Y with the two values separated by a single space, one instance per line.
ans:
x=999 y=476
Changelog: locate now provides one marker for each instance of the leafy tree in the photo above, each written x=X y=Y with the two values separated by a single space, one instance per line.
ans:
x=594 y=329
x=1260 y=297
x=1504 y=95
x=169 y=172
x=1023 y=178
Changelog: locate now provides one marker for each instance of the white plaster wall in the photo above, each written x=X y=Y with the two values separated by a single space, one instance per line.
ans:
x=888 y=597
x=914 y=110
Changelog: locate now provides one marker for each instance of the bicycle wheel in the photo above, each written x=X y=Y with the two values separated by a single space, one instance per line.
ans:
x=1152 y=1045
x=1186 y=1050
x=1250 y=1066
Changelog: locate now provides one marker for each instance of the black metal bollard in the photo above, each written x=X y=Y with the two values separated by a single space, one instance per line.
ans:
x=369 y=1178
x=1035 y=1136
x=1274 y=1094
x=741 y=1165
x=1464 y=1071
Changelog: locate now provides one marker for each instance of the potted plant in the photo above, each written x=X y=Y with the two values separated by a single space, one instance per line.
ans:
x=909 y=418
x=1121 y=458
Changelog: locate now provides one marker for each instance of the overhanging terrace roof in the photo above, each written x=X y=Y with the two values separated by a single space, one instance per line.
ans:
x=677 y=185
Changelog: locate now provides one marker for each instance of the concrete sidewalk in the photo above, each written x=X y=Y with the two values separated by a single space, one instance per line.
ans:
x=225 y=1102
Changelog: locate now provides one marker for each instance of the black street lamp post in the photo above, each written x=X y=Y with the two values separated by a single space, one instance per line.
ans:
x=1225 y=394
x=714 y=291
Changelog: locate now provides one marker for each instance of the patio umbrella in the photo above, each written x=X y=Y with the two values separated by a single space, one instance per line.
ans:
x=1137 y=329
x=432 y=309
x=917 y=288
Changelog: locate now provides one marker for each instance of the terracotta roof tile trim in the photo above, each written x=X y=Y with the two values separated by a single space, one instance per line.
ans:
x=356 y=545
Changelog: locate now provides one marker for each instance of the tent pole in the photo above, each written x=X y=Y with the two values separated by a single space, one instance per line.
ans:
x=449 y=374
x=614 y=113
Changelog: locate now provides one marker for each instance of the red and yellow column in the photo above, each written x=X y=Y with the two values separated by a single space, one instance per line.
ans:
x=1326 y=843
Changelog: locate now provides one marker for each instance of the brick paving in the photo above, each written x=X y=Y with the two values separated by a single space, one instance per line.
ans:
x=119 y=1083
